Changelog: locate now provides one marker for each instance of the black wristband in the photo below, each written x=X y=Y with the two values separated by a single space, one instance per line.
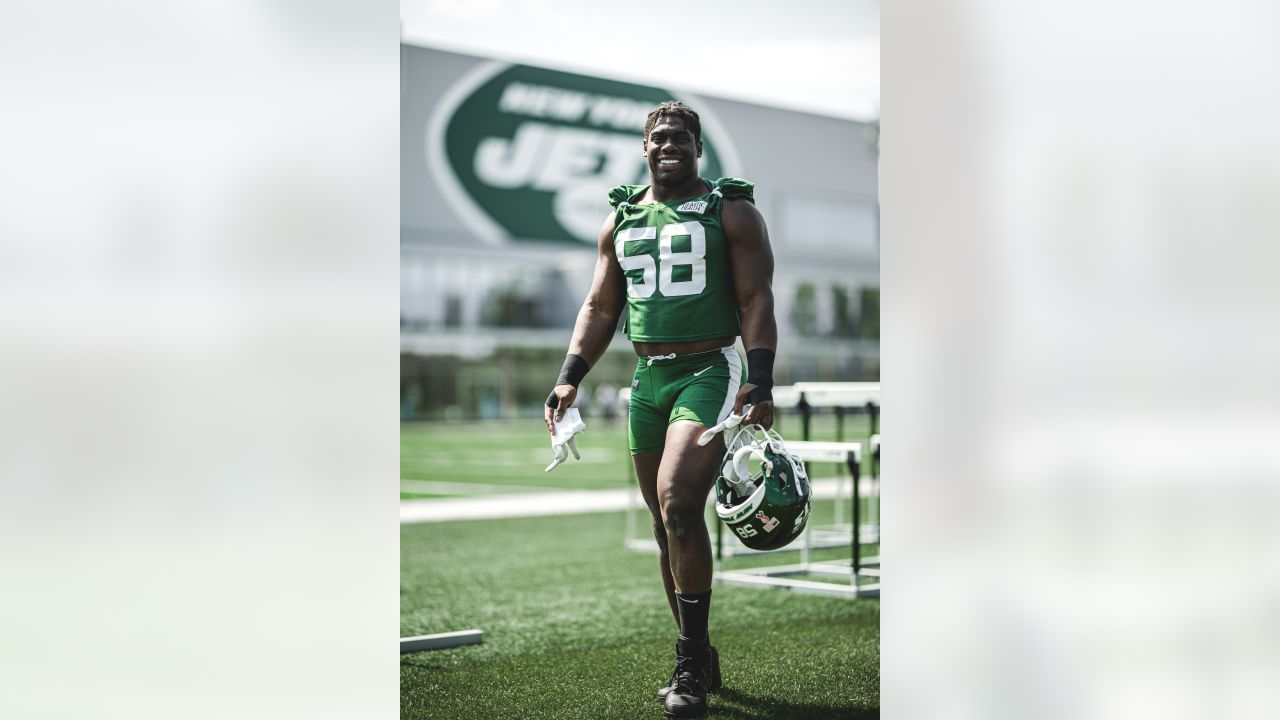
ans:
x=760 y=368
x=573 y=370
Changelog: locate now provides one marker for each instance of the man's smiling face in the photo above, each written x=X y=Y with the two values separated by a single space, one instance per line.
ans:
x=672 y=152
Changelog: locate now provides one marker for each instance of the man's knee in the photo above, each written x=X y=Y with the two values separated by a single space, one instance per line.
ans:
x=680 y=513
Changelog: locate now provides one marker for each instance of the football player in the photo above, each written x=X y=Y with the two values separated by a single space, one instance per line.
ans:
x=689 y=260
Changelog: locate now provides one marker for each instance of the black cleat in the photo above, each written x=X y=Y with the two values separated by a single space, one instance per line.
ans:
x=713 y=681
x=693 y=677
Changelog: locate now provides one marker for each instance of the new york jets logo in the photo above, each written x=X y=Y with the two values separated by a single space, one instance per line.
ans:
x=526 y=153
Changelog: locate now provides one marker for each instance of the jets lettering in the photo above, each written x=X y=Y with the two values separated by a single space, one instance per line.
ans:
x=546 y=157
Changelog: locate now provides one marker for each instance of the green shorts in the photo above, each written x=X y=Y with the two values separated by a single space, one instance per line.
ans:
x=699 y=386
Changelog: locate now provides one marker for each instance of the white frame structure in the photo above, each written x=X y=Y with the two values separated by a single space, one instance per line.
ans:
x=863 y=573
x=440 y=641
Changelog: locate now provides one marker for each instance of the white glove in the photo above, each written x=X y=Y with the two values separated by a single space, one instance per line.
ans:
x=566 y=427
x=732 y=421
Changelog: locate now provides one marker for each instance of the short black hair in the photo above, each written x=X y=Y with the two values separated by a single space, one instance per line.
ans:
x=678 y=109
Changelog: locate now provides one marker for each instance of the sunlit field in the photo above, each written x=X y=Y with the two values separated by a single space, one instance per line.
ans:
x=575 y=625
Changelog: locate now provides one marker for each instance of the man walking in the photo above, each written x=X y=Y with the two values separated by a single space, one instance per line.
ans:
x=689 y=260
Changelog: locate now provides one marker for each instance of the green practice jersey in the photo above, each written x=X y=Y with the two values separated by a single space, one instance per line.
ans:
x=676 y=262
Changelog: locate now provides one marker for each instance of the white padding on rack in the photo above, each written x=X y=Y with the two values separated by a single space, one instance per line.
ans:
x=815 y=451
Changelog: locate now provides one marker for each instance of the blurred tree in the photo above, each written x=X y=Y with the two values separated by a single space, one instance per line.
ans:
x=804 y=311
x=507 y=306
x=869 y=318
x=845 y=325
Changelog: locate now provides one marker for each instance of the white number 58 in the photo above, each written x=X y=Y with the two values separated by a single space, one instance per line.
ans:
x=668 y=260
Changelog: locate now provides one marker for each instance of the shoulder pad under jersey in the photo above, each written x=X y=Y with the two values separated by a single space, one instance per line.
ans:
x=622 y=193
x=735 y=188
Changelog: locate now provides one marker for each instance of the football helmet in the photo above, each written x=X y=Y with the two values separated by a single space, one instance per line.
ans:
x=766 y=507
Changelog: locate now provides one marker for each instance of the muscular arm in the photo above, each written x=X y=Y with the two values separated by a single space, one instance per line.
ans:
x=597 y=319
x=751 y=261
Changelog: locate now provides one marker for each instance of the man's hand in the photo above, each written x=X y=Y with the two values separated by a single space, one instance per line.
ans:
x=761 y=412
x=564 y=395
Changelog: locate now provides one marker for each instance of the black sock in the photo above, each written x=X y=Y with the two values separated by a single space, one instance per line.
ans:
x=693 y=614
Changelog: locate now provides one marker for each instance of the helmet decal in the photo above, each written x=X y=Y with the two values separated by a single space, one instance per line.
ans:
x=769 y=523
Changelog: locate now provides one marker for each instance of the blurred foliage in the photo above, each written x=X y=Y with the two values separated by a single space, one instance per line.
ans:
x=844 y=321
x=508 y=306
x=804 y=311
x=513 y=382
x=869 y=318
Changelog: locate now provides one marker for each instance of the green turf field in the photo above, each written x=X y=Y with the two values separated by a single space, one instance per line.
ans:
x=479 y=458
x=510 y=455
x=577 y=627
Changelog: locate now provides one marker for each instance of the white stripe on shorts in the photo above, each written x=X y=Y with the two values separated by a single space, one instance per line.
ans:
x=735 y=379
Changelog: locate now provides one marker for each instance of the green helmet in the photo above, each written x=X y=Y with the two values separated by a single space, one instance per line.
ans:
x=766 y=509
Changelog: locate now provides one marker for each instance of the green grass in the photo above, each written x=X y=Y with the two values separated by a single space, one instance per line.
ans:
x=514 y=453
x=577 y=627
x=511 y=453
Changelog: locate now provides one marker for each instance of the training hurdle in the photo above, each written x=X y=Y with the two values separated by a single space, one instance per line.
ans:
x=863 y=573
x=440 y=641
x=841 y=399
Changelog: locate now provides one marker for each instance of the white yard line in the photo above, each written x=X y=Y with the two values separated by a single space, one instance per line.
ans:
x=514 y=458
x=440 y=487
x=507 y=506
x=534 y=504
